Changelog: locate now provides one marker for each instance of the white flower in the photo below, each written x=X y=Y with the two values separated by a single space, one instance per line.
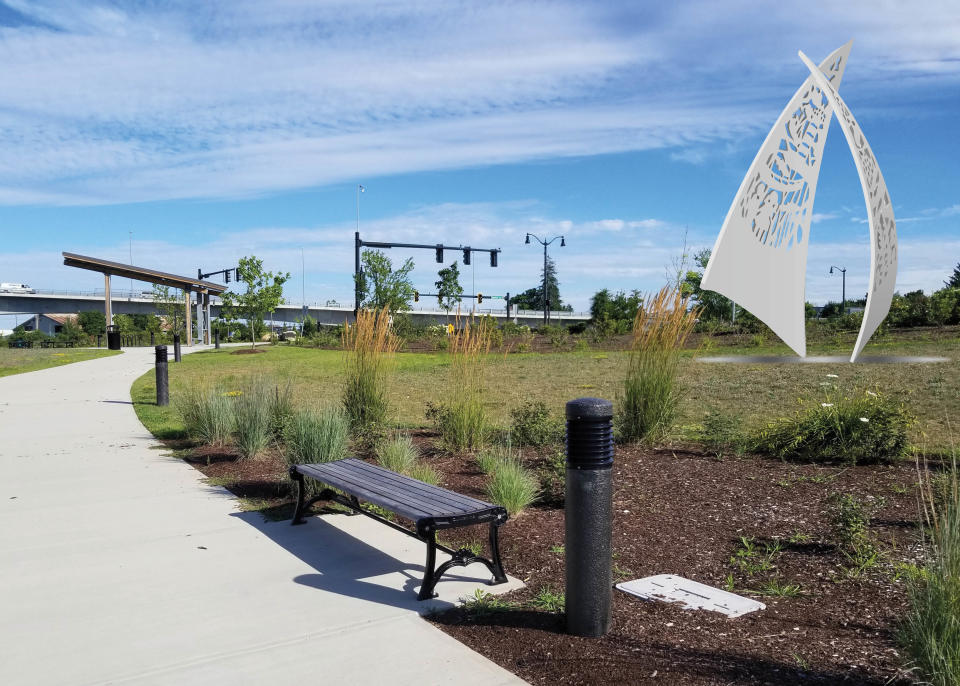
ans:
x=864 y=420
x=872 y=393
x=832 y=376
x=826 y=404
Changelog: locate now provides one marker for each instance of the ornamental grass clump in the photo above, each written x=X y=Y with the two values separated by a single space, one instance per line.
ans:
x=931 y=631
x=314 y=436
x=207 y=413
x=463 y=421
x=651 y=391
x=398 y=454
x=368 y=344
x=252 y=412
x=865 y=428
x=513 y=486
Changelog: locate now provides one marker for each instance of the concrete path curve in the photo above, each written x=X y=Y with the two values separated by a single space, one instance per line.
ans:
x=120 y=565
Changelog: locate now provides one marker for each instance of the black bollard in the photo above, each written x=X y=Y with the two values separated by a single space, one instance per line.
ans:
x=588 y=515
x=216 y=339
x=152 y=341
x=163 y=381
x=99 y=336
x=176 y=347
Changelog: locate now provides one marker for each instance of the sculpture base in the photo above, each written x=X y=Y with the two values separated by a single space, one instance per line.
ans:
x=822 y=359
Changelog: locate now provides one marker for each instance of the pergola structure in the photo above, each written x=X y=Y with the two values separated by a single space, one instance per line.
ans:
x=187 y=284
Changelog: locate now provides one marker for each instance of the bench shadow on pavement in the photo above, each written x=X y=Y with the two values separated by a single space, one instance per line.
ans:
x=350 y=567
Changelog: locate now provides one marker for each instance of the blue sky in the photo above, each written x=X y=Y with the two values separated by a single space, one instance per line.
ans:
x=217 y=130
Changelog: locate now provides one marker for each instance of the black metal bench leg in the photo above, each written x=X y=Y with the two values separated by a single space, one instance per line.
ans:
x=498 y=576
x=429 y=576
x=301 y=496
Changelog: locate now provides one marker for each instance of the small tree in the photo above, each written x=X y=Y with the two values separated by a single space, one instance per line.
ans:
x=309 y=327
x=170 y=303
x=93 y=322
x=382 y=287
x=954 y=280
x=264 y=293
x=448 y=286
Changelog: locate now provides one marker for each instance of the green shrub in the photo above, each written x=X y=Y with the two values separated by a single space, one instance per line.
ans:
x=398 y=455
x=865 y=429
x=531 y=424
x=553 y=478
x=252 y=428
x=312 y=436
x=207 y=413
x=850 y=517
x=931 y=630
x=721 y=434
x=651 y=391
x=513 y=486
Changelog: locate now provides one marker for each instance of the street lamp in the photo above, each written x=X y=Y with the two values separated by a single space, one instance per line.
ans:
x=843 y=302
x=544 y=242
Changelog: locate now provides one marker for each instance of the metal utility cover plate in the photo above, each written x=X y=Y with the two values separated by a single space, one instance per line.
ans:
x=694 y=596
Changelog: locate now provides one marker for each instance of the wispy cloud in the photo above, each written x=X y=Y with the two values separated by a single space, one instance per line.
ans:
x=103 y=103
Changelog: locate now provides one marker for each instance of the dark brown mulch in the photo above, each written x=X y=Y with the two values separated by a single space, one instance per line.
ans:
x=681 y=512
x=248 y=351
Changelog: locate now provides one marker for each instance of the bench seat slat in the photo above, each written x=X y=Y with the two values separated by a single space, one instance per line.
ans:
x=398 y=492
x=466 y=503
x=393 y=492
x=357 y=488
x=402 y=495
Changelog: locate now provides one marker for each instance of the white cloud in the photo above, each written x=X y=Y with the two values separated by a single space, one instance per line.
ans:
x=121 y=102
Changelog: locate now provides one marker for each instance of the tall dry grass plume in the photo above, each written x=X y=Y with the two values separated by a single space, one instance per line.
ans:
x=368 y=345
x=464 y=421
x=651 y=390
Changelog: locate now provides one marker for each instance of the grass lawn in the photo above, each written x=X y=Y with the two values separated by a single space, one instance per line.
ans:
x=18 y=361
x=754 y=394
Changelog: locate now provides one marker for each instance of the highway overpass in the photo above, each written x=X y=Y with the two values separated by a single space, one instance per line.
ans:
x=136 y=302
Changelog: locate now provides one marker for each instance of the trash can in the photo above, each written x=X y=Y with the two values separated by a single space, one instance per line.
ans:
x=113 y=337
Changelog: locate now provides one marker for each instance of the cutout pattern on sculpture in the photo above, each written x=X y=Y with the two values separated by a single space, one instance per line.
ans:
x=777 y=201
x=881 y=211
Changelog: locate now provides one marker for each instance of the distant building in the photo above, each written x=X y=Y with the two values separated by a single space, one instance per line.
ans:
x=50 y=324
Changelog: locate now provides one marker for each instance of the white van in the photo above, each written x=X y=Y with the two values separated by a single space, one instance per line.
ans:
x=16 y=288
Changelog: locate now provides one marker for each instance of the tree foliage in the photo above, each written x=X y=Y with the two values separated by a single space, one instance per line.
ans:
x=170 y=304
x=532 y=298
x=381 y=286
x=448 y=286
x=712 y=305
x=264 y=293
x=615 y=307
x=93 y=322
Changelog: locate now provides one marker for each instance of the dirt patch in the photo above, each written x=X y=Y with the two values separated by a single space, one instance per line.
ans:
x=682 y=512
x=248 y=351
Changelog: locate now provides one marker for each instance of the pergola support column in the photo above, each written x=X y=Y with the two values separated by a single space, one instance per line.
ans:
x=189 y=317
x=108 y=307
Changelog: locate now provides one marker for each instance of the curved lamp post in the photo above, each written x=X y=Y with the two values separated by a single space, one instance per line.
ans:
x=544 y=242
x=843 y=302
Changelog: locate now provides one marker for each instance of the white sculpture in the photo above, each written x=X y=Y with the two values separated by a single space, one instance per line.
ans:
x=760 y=257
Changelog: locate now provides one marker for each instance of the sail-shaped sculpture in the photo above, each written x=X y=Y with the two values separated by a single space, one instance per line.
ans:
x=883 y=227
x=760 y=257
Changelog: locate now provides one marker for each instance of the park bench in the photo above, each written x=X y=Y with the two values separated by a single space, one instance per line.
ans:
x=430 y=508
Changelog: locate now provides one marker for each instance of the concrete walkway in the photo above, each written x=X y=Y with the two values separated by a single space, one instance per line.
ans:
x=119 y=565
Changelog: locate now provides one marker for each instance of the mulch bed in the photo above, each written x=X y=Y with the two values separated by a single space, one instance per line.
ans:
x=248 y=351
x=682 y=512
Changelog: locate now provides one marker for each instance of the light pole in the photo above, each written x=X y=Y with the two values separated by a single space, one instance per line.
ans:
x=843 y=302
x=544 y=242
x=356 y=257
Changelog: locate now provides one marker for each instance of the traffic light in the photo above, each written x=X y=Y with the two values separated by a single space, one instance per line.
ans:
x=416 y=296
x=227 y=276
x=466 y=255
x=493 y=258
x=439 y=253
x=479 y=298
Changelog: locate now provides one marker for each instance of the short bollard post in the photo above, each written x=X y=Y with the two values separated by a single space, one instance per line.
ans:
x=163 y=381
x=588 y=514
x=99 y=336
x=216 y=339
x=152 y=341
x=176 y=347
